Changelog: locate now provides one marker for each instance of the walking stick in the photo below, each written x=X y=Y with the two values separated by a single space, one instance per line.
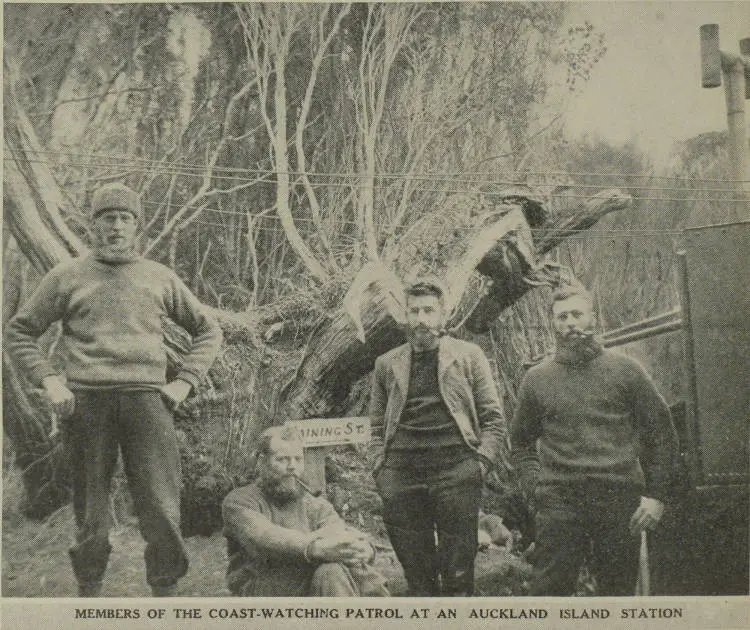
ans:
x=643 y=583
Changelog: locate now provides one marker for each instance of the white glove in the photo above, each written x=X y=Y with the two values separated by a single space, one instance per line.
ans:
x=647 y=516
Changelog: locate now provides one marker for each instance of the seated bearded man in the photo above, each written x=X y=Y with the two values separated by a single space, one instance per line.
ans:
x=283 y=541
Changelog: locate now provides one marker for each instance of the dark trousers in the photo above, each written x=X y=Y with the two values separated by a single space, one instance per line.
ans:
x=585 y=522
x=140 y=424
x=440 y=495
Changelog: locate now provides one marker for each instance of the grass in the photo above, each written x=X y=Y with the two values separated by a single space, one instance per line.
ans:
x=35 y=559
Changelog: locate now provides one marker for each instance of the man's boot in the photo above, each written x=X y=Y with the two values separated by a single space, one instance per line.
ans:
x=89 y=589
x=168 y=590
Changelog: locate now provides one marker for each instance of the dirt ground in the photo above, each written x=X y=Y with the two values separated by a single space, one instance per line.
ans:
x=35 y=559
x=35 y=564
x=703 y=531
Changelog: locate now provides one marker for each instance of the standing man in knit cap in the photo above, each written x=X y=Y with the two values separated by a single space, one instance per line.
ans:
x=112 y=390
x=592 y=420
x=444 y=430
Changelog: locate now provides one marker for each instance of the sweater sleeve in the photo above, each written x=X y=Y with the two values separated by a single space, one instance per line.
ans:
x=324 y=517
x=251 y=528
x=188 y=312
x=494 y=444
x=659 y=448
x=45 y=306
x=526 y=429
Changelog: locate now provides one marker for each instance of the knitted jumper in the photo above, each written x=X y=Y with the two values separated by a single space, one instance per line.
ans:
x=599 y=417
x=112 y=334
x=266 y=541
x=426 y=422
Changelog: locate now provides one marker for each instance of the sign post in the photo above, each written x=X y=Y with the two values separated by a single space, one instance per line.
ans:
x=320 y=434
x=716 y=65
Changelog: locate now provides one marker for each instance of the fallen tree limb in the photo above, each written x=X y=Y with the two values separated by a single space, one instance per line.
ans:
x=475 y=239
x=487 y=246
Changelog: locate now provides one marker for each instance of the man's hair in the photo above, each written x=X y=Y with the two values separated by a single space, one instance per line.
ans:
x=425 y=286
x=564 y=293
x=284 y=433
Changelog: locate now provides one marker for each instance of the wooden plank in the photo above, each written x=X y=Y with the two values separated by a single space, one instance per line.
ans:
x=611 y=337
x=718 y=269
x=333 y=431
x=710 y=56
x=695 y=469
x=315 y=468
x=320 y=434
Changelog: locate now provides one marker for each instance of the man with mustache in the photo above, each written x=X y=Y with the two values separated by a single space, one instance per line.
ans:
x=436 y=402
x=109 y=388
x=284 y=542
x=601 y=433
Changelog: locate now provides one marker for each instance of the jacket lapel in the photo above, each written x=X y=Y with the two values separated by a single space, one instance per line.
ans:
x=446 y=357
x=402 y=369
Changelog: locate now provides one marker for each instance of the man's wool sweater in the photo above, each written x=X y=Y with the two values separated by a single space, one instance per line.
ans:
x=598 y=418
x=112 y=330
x=426 y=423
x=267 y=540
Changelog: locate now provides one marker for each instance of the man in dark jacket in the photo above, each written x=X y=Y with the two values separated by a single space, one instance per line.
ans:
x=601 y=433
x=282 y=541
x=444 y=430
x=112 y=390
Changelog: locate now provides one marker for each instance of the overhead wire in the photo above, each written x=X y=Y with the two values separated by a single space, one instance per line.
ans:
x=636 y=231
x=364 y=186
x=594 y=232
x=574 y=234
x=540 y=230
x=428 y=176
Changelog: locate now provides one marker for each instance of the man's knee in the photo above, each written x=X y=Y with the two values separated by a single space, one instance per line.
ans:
x=331 y=572
x=332 y=579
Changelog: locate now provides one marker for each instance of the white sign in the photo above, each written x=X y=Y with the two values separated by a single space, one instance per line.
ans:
x=333 y=431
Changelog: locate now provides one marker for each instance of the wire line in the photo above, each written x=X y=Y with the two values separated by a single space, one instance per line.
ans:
x=428 y=177
x=417 y=189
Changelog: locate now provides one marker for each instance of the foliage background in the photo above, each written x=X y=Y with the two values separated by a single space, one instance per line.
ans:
x=279 y=148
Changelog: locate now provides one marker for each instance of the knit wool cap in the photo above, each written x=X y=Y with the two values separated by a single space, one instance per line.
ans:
x=115 y=196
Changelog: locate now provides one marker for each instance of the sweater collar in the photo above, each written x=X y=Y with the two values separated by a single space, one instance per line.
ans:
x=111 y=256
x=578 y=352
x=448 y=352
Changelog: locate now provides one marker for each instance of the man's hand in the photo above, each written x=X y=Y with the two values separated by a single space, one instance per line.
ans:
x=647 y=516
x=175 y=393
x=347 y=547
x=60 y=398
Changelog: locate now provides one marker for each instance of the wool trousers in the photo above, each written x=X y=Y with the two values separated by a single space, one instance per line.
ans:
x=585 y=522
x=139 y=424
x=431 y=512
x=329 y=579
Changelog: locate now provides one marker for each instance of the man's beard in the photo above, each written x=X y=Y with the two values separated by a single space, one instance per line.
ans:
x=282 y=489
x=577 y=346
x=422 y=338
x=575 y=337
x=114 y=252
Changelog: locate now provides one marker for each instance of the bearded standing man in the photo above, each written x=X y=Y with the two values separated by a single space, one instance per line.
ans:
x=113 y=391
x=594 y=422
x=444 y=430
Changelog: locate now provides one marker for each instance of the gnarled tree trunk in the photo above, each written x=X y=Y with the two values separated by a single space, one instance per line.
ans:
x=482 y=244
